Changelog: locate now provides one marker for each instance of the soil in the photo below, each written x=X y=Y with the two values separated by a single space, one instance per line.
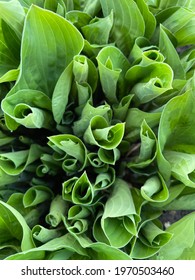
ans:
x=170 y=217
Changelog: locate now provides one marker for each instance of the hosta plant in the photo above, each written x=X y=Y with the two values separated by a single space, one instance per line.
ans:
x=97 y=123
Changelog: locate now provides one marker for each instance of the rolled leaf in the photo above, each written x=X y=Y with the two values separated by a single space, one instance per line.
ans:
x=58 y=208
x=36 y=195
x=87 y=114
x=14 y=163
x=155 y=189
x=148 y=148
x=95 y=32
x=96 y=162
x=83 y=192
x=134 y=121
x=104 y=180
x=29 y=108
x=152 y=238
x=109 y=156
x=43 y=235
x=99 y=133
x=75 y=152
x=112 y=68
x=149 y=79
x=118 y=221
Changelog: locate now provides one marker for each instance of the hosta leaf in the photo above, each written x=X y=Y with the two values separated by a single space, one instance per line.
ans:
x=104 y=180
x=36 y=195
x=83 y=192
x=149 y=19
x=118 y=209
x=120 y=110
x=172 y=57
x=155 y=190
x=183 y=238
x=95 y=32
x=87 y=114
x=66 y=241
x=10 y=76
x=13 y=226
x=13 y=14
x=148 y=148
x=74 y=150
x=61 y=93
x=58 y=208
x=163 y=4
x=43 y=235
x=14 y=163
x=134 y=120
x=176 y=129
x=182 y=166
x=99 y=133
x=128 y=22
x=78 y=18
x=152 y=239
x=29 y=108
x=54 y=32
x=149 y=80
x=181 y=23
x=112 y=68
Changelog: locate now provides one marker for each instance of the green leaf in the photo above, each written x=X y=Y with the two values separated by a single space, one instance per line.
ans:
x=112 y=68
x=163 y=4
x=101 y=251
x=182 y=201
x=149 y=19
x=36 y=195
x=29 y=108
x=10 y=76
x=46 y=67
x=87 y=114
x=74 y=150
x=182 y=167
x=183 y=238
x=150 y=78
x=99 y=133
x=109 y=156
x=95 y=32
x=128 y=22
x=105 y=179
x=120 y=110
x=39 y=253
x=147 y=150
x=155 y=189
x=13 y=226
x=176 y=130
x=172 y=57
x=152 y=239
x=181 y=23
x=134 y=121
x=43 y=235
x=14 y=163
x=61 y=93
x=58 y=208
x=83 y=192
x=78 y=18
x=118 y=220
x=13 y=14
